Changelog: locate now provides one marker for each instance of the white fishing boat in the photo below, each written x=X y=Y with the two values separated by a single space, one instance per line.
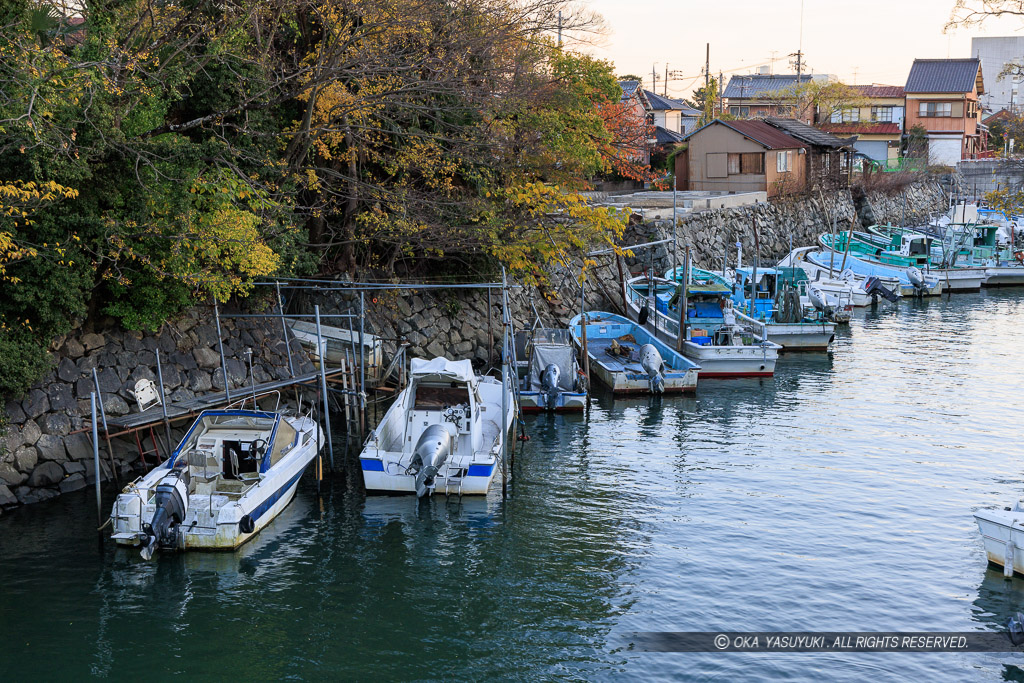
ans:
x=337 y=343
x=831 y=285
x=234 y=471
x=628 y=359
x=444 y=433
x=721 y=340
x=1002 y=533
x=553 y=380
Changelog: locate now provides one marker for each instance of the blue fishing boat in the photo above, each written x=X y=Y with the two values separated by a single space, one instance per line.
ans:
x=912 y=280
x=552 y=381
x=629 y=359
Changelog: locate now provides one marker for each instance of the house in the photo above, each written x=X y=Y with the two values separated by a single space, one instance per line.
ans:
x=742 y=156
x=633 y=109
x=828 y=157
x=942 y=97
x=758 y=95
x=877 y=122
x=672 y=115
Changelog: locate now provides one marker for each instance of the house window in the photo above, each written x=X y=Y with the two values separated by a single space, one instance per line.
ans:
x=928 y=109
x=881 y=114
x=750 y=162
x=740 y=112
x=846 y=115
x=783 y=162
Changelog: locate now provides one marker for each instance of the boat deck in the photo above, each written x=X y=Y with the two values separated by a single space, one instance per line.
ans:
x=599 y=352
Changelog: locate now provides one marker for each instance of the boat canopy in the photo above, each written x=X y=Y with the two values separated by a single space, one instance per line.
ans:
x=441 y=370
x=563 y=356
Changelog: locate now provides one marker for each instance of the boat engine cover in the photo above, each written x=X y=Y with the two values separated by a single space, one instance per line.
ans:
x=171 y=500
x=435 y=445
x=549 y=384
x=653 y=364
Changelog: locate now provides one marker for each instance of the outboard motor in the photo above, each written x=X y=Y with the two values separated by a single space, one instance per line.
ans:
x=434 y=446
x=916 y=278
x=653 y=365
x=549 y=384
x=171 y=505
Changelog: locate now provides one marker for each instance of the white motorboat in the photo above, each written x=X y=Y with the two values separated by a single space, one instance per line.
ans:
x=234 y=471
x=833 y=285
x=444 y=433
x=1002 y=533
x=553 y=380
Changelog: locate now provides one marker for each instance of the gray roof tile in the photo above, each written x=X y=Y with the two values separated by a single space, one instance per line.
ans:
x=942 y=75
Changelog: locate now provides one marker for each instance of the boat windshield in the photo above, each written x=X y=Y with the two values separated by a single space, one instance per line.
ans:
x=438 y=398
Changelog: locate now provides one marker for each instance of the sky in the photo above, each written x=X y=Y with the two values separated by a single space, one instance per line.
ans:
x=866 y=41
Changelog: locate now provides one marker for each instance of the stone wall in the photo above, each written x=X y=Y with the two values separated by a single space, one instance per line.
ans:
x=47 y=449
x=47 y=453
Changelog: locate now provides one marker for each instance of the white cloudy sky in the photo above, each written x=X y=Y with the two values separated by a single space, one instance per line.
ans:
x=862 y=41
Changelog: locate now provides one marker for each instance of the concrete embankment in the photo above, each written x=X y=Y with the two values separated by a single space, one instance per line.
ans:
x=46 y=450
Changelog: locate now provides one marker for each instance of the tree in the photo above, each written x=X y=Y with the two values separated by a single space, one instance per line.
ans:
x=706 y=99
x=817 y=100
x=972 y=13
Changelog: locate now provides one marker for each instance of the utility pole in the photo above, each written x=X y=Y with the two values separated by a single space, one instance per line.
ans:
x=664 y=86
x=721 y=94
x=799 y=65
x=559 y=28
x=707 y=68
x=654 y=78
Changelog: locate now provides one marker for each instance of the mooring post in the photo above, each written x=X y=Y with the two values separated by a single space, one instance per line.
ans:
x=163 y=402
x=362 y=364
x=284 y=330
x=106 y=432
x=490 y=332
x=96 y=459
x=323 y=385
x=220 y=347
x=622 y=286
x=683 y=300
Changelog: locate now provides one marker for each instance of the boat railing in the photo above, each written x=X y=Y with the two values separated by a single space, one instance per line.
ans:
x=240 y=404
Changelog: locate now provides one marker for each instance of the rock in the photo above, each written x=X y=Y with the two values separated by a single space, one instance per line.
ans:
x=35 y=403
x=28 y=496
x=11 y=476
x=172 y=376
x=14 y=412
x=25 y=458
x=109 y=381
x=185 y=323
x=61 y=398
x=30 y=432
x=218 y=379
x=185 y=360
x=181 y=394
x=86 y=364
x=73 y=348
x=73 y=482
x=206 y=335
x=79 y=446
x=51 y=447
x=7 y=499
x=74 y=468
x=206 y=357
x=84 y=387
x=199 y=381
x=133 y=342
x=92 y=341
x=115 y=405
x=146 y=359
x=46 y=474
x=67 y=370
x=56 y=423
x=238 y=372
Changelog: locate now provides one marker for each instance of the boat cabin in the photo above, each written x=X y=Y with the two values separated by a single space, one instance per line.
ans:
x=914 y=246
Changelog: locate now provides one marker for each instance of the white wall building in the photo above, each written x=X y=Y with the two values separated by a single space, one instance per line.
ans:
x=994 y=53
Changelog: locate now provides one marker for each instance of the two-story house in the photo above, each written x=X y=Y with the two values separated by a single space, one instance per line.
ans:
x=759 y=95
x=942 y=97
x=672 y=115
x=877 y=122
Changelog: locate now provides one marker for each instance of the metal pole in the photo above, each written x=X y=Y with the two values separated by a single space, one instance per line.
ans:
x=96 y=458
x=683 y=300
x=504 y=393
x=220 y=347
x=106 y=431
x=490 y=332
x=362 y=363
x=323 y=385
x=284 y=331
x=163 y=403
x=675 y=244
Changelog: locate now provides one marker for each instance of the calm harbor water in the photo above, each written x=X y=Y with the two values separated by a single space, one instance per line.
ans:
x=836 y=496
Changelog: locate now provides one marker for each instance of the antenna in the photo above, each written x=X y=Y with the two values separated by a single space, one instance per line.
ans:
x=559 y=28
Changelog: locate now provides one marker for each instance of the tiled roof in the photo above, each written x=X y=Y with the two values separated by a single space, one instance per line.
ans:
x=879 y=91
x=943 y=75
x=756 y=85
x=758 y=131
x=808 y=134
x=628 y=88
x=865 y=128
x=665 y=136
x=666 y=103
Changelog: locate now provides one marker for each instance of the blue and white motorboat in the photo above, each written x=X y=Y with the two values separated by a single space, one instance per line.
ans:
x=553 y=381
x=234 y=471
x=629 y=359
x=444 y=433
x=912 y=281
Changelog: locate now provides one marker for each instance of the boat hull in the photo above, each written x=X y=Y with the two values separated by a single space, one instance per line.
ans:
x=958 y=280
x=802 y=337
x=1001 y=276
x=626 y=382
x=996 y=533
x=732 y=361
x=475 y=482
x=567 y=402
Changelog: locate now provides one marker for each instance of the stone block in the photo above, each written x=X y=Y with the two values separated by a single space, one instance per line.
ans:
x=51 y=447
x=185 y=360
x=10 y=475
x=14 y=412
x=7 y=499
x=62 y=398
x=28 y=496
x=56 y=423
x=79 y=446
x=181 y=394
x=35 y=403
x=72 y=482
x=84 y=387
x=109 y=380
x=46 y=474
x=87 y=363
x=172 y=376
x=25 y=458
x=199 y=381
x=115 y=405
x=206 y=357
x=92 y=341
x=206 y=335
x=73 y=348
x=146 y=359
x=151 y=344
x=67 y=370
x=133 y=342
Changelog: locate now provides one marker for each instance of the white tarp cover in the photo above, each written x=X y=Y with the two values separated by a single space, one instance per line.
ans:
x=442 y=368
x=562 y=356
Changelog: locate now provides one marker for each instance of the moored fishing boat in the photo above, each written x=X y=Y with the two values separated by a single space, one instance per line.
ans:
x=913 y=281
x=928 y=253
x=553 y=380
x=833 y=282
x=1002 y=534
x=629 y=359
x=234 y=471
x=723 y=341
x=444 y=433
x=338 y=344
